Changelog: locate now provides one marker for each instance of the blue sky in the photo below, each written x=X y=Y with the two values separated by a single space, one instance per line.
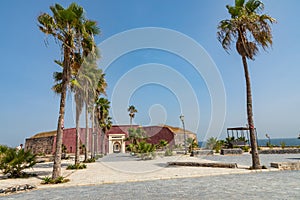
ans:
x=28 y=105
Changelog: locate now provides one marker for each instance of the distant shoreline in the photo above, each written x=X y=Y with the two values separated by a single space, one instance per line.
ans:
x=274 y=141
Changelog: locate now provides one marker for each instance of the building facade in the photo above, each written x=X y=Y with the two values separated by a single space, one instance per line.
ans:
x=114 y=141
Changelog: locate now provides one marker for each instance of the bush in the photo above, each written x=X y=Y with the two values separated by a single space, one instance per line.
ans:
x=282 y=144
x=245 y=148
x=90 y=160
x=214 y=144
x=98 y=156
x=268 y=144
x=147 y=156
x=168 y=152
x=49 y=180
x=77 y=166
x=41 y=154
x=162 y=144
x=13 y=161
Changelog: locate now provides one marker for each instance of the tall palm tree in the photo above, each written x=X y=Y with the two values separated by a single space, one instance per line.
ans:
x=103 y=118
x=79 y=104
x=68 y=27
x=89 y=56
x=88 y=78
x=132 y=110
x=250 y=30
x=84 y=83
x=100 y=89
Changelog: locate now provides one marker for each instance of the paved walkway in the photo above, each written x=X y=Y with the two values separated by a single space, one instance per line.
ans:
x=123 y=168
x=117 y=168
x=271 y=185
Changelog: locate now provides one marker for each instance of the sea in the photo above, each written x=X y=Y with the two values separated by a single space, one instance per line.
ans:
x=289 y=142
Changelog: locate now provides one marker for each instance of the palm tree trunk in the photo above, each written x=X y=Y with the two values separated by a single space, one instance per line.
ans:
x=130 y=122
x=253 y=139
x=93 y=135
x=97 y=143
x=77 y=153
x=103 y=142
x=60 y=126
x=86 y=132
x=58 y=149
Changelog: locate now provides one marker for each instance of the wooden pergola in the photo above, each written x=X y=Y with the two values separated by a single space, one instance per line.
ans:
x=238 y=132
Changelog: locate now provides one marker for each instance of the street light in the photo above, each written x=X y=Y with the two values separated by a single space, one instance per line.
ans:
x=182 y=120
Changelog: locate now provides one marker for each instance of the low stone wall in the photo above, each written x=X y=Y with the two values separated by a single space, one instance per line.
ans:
x=42 y=145
x=280 y=151
x=181 y=152
x=198 y=164
x=286 y=165
x=234 y=151
x=17 y=188
x=204 y=152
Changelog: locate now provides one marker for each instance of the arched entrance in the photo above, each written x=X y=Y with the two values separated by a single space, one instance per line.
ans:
x=117 y=147
x=116 y=143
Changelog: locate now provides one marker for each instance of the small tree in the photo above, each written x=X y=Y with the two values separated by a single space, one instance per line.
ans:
x=214 y=144
x=192 y=144
x=146 y=150
x=211 y=143
x=13 y=161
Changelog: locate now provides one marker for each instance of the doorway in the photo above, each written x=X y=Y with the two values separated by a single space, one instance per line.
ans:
x=117 y=147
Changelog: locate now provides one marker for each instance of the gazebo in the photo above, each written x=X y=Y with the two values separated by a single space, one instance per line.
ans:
x=240 y=135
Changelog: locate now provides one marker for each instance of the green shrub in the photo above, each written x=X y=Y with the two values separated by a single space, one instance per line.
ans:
x=214 y=144
x=98 y=156
x=49 y=180
x=245 y=148
x=162 y=144
x=90 y=160
x=77 y=166
x=13 y=161
x=268 y=144
x=147 y=156
x=168 y=152
x=41 y=154
x=282 y=144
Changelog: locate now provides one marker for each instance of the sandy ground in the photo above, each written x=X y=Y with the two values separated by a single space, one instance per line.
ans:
x=122 y=168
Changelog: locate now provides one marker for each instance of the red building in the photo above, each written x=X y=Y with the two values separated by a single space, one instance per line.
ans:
x=113 y=142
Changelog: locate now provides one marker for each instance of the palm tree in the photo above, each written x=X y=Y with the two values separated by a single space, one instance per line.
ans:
x=79 y=104
x=192 y=142
x=132 y=110
x=103 y=118
x=163 y=144
x=136 y=135
x=83 y=85
x=88 y=78
x=211 y=143
x=89 y=74
x=68 y=26
x=249 y=30
x=100 y=89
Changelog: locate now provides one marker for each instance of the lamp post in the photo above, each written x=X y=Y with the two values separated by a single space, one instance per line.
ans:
x=182 y=120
